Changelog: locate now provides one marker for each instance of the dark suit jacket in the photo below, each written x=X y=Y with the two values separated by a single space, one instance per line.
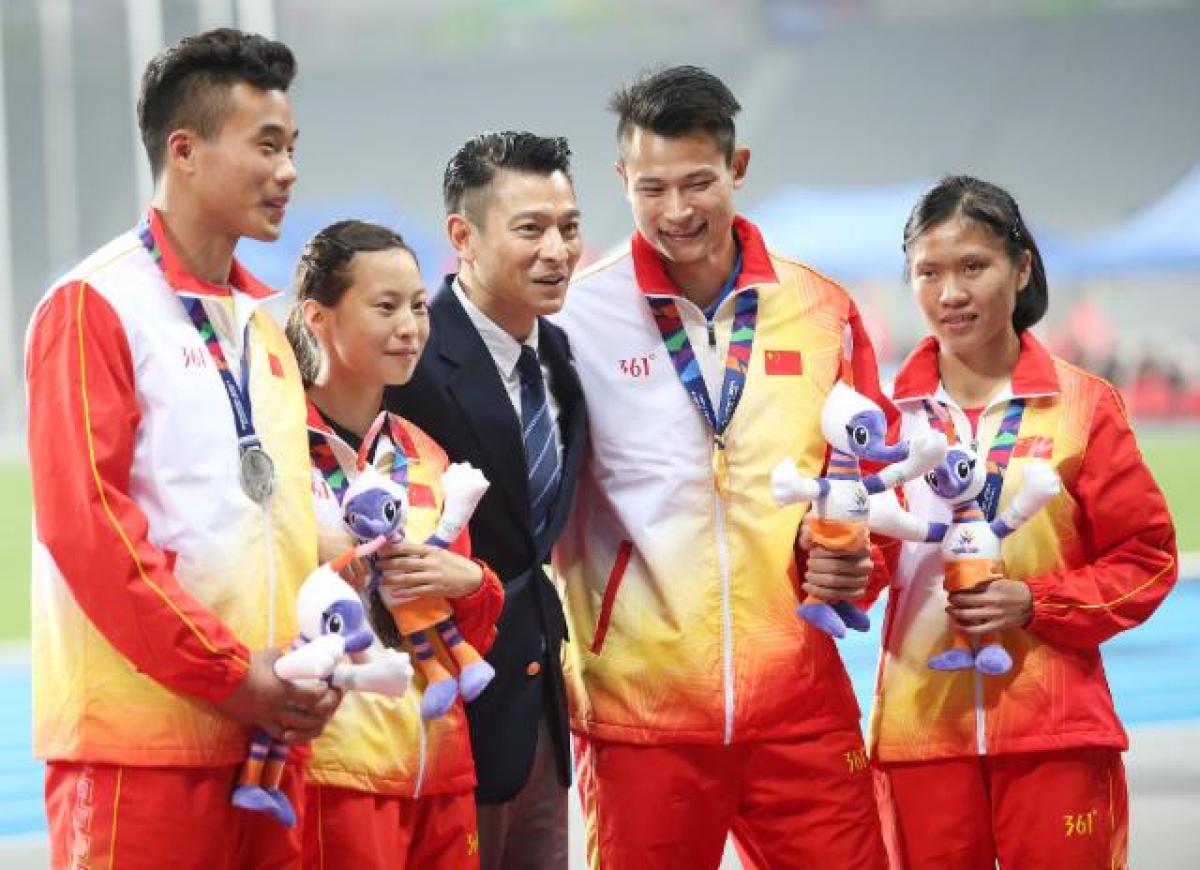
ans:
x=456 y=395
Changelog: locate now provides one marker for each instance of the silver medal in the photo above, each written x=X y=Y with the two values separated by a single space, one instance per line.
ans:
x=257 y=473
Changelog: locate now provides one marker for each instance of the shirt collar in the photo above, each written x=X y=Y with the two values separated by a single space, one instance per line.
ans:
x=183 y=281
x=505 y=349
x=652 y=275
x=1034 y=374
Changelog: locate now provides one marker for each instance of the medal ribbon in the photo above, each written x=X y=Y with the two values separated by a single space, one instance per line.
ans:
x=737 y=361
x=998 y=454
x=238 y=394
x=326 y=463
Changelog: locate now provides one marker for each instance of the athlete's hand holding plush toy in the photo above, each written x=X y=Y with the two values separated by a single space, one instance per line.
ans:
x=970 y=544
x=376 y=507
x=335 y=645
x=856 y=429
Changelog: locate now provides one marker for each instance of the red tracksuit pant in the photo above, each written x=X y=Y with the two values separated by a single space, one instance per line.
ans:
x=346 y=829
x=798 y=803
x=130 y=818
x=1066 y=810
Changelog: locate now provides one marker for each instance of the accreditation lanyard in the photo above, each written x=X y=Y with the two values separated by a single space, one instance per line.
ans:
x=999 y=453
x=737 y=361
x=335 y=476
x=237 y=392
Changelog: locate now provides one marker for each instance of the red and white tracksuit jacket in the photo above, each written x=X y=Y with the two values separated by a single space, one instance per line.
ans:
x=680 y=597
x=153 y=573
x=1099 y=558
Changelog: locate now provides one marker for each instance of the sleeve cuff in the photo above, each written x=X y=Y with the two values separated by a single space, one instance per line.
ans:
x=488 y=588
x=227 y=678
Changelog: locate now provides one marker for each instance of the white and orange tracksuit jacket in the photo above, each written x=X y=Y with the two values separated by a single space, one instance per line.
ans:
x=1099 y=558
x=153 y=573
x=376 y=743
x=680 y=598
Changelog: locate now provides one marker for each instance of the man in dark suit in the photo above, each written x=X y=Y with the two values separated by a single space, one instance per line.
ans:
x=496 y=388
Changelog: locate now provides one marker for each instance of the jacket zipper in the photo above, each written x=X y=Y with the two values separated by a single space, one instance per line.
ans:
x=726 y=614
x=710 y=325
x=961 y=424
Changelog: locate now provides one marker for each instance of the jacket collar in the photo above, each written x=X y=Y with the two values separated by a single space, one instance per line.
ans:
x=316 y=422
x=1034 y=374
x=396 y=429
x=183 y=281
x=653 y=279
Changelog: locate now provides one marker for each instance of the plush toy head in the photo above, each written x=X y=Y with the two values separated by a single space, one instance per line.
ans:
x=327 y=604
x=374 y=505
x=854 y=424
x=959 y=477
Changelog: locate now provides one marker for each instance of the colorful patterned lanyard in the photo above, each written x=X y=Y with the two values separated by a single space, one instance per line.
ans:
x=325 y=462
x=256 y=469
x=239 y=393
x=998 y=454
x=737 y=361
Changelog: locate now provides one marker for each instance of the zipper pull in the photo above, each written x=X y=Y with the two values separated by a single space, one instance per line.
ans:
x=720 y=465
x=712 y=333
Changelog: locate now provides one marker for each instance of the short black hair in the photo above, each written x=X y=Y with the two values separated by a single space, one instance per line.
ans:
x=675 y=102
x=991 y=207
x=188 y=84
x=323 y=274
x=473 y=167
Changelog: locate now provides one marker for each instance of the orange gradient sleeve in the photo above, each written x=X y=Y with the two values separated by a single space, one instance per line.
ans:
x=1128 y=536
x=83 y=422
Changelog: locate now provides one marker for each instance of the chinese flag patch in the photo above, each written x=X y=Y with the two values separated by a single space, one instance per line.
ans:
x=1035 y=447
x=783 y=362
x=420 y=495
x=275 y=364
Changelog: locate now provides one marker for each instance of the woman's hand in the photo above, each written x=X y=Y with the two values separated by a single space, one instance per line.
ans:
x=410 y=570
x=991 y=606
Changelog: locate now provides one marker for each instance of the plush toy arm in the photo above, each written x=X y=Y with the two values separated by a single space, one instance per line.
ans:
x=314 y=660
x=384 y=673
x=464 y=485
x=925 y=450
x=789 y=486
x=888 y=518
x=1039 y=485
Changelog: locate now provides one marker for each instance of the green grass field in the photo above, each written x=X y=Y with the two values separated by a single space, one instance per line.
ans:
x=1174 y=458
x=15 y=537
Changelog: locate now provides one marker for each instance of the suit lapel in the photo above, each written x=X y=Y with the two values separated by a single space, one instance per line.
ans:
x=475 y=387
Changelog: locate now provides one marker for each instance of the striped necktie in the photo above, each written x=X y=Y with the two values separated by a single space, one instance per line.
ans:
x=541 y=441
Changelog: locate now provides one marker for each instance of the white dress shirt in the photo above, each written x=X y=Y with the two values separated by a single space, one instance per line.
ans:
x=505 y=351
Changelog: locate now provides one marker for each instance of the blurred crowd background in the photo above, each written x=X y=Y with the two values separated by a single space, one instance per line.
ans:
x=1086 y=110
